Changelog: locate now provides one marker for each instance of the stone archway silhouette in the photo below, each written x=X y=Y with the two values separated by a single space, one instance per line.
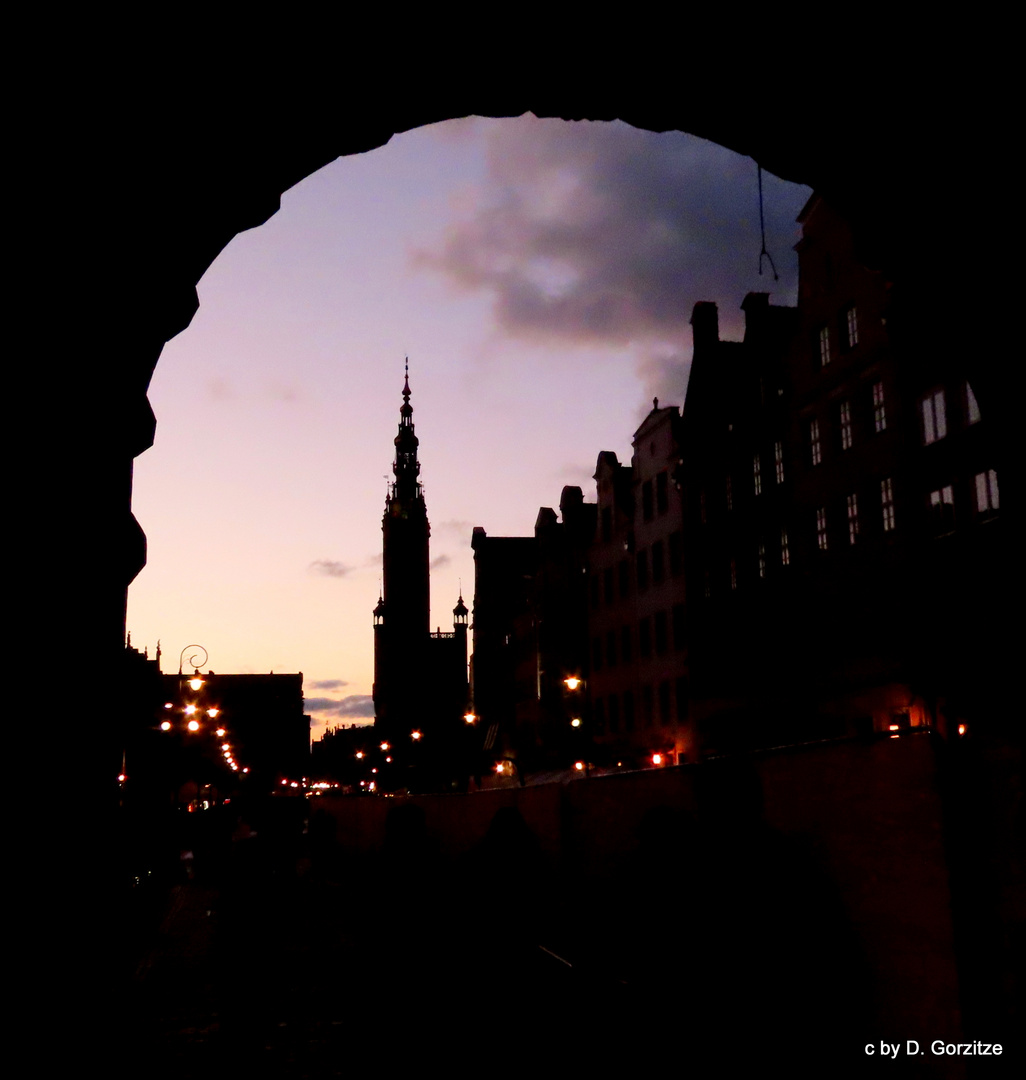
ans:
x=141 y=197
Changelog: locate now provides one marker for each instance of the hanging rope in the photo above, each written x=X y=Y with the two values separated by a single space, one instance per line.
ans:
x=762 y=227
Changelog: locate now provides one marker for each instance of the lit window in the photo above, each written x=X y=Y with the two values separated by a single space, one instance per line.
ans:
x=971 y=408
x=879 y=411
x=778 y=458
x=852 y=319
x=987 y=492
x=762 y=560
x=942 y=509
x=824 y=346
x=887 y=503
x=730 y=493
x=853 y=518
x=845 y=425
x=821 y=528
x=814 y=443
x=757 y=474
x=785 y=550
x=935 y=421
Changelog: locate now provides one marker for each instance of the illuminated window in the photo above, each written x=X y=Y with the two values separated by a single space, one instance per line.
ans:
x=887 y=503
x=815 y=445
x=785 y=550
x=853 y=519
x=971 y=408
x=942 y=509
x=821 y=528
x=757 y=474
x=987 y=492
x=852 y=320
x=778 y=459
x=879 y=410
x=845 y=425
x=935 y=420
x=824 y=346
x=730 y=493
x=762 y=560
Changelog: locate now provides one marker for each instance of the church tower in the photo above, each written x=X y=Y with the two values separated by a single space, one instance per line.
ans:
x=402 y=616
x=420 y=677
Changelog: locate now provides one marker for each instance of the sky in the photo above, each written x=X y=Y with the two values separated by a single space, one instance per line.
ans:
x=539 y=275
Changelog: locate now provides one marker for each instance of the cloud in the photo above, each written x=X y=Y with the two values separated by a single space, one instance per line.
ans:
x=329 y=684
x=329 y=568
x=598 y=234
x=355 y=705
x=440 y=561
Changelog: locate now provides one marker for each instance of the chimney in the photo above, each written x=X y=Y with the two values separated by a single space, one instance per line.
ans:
x=705 y=325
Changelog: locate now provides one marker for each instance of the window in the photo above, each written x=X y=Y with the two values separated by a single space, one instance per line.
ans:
x=662 y=493
x=852 y=319
x=972 y=410
x=642 y=570
x=853 y=518
x=625 y=579
x=611 y=649
x=887 y=503
x=607 y=585
x=935 y=421
x=987 y=492
x=815 y=446
x=664 y=702
x=845 y=425
x=778 y=459
x=730 y=493
x=595 y=586
x=614 y=713
x=679 y=627
x=625 y=644
x=676 y=552
x=628 y=710
x=733 y=575
x=942 y=510
x=879 y=410
x=762 y=560
x=607 y=523
x=757 y=474
x=646 y=500
x=596 y=654
x=658 y=563
x=600 y=715
x=682 y=698
x=647 y=706
x=662 y=638
x=824 y=346
x=821 y=528
x=785 y=550
x=645 y=637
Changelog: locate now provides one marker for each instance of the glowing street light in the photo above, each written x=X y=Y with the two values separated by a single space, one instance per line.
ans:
x=572 y=682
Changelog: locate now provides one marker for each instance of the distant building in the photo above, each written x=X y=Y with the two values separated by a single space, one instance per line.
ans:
x=530 y=635
x=420 y=677
x=639 y=673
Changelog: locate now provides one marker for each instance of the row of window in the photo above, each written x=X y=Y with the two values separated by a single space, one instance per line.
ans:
x=847 y=335
x=655 y=634
x=662 y=703
x=650 y=568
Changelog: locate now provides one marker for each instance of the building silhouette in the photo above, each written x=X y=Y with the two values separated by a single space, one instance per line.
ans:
x=420 y=676
x=639 y=678
x=841 y=514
